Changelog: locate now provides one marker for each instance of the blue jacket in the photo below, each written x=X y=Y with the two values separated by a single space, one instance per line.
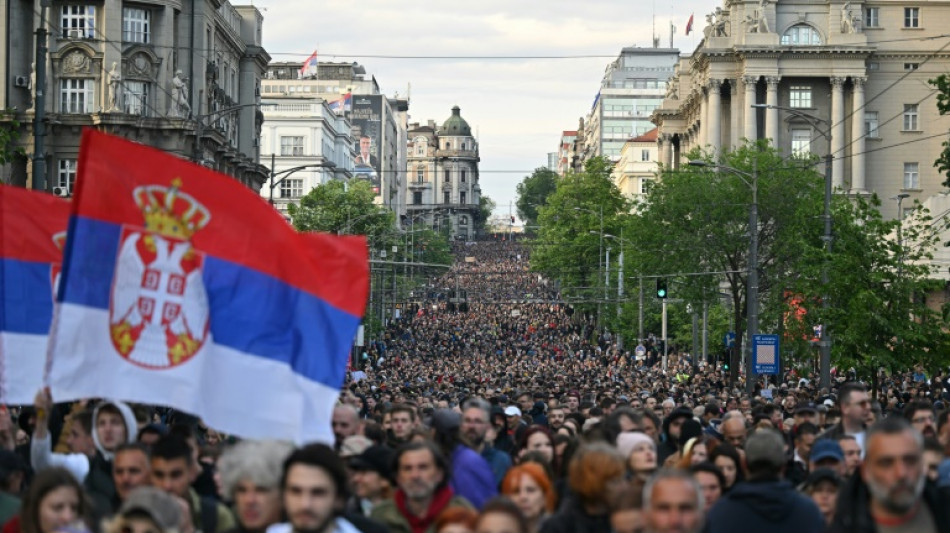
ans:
x=772 y=506
x=499 y=461
x=472 y=477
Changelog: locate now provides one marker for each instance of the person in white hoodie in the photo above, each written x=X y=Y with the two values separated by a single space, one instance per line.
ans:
x=113 y=424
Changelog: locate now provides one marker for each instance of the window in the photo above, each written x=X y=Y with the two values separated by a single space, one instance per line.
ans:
x=911 y=66
x=79 y=22
x=420 y=150
x=799 y=96
x=872 y=17
x=136 y=98
x=645 y=185
x=801 y=35
x=135 y=25
x=420 y=175
x=76 y=95
x=911 y=175
x=447 y=176
x=67 y=174
x=645 y=154
x=291 y=188
x=462 y=176
x=446 y=197
x=461 y=197
x=911 y=17
x=801 y=142
x=910 y=117
x=871 y=124
x=291 y=145
x=417 y=198
x=463 y=220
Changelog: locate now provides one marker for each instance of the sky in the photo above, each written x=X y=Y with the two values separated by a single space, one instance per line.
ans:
x=519 y=107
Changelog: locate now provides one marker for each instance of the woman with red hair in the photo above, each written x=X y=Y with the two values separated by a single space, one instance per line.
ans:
x=529 y=487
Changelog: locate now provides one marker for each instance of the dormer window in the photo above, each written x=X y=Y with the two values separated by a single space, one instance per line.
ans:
x=801 y=35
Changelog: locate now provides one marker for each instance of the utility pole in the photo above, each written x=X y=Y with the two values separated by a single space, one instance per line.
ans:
x=39 y=104
x=824 y=368
x=665 y=347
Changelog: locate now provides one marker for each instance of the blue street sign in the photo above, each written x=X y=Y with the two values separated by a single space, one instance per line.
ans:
x=729 y=339
x=765 y=354
x=641 y=350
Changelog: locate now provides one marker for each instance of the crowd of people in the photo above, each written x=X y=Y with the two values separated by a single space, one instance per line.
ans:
x=508 y=414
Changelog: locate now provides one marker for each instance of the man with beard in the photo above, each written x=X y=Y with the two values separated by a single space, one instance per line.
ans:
x=313 y=492
x=475 y=428
x=922 y=417
x=422 y=493
x=890 y=494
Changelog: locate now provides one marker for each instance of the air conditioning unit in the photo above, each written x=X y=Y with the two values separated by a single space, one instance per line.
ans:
x=76 y=33
x=21 y=81
x=62 y=192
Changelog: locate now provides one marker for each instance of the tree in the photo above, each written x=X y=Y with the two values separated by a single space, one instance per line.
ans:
x=9 y=133
x=533 y=192
x=338 y=207
x=696 y=220
x=942 y=83
x=566 y=248
x=485 y=208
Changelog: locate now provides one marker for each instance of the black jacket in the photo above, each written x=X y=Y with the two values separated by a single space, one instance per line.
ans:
x=770 y=506
x=571 y=518
x=853 y=513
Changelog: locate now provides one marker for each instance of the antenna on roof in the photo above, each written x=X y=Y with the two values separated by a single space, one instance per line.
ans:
x=656 y=42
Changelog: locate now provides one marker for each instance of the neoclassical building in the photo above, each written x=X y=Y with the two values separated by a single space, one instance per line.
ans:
x=443 y=176
x=860 y=67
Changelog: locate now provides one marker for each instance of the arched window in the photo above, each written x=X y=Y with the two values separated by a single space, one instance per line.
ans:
x=801 y=35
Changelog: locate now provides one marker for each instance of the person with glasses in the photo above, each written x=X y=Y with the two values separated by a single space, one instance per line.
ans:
x=855 y=405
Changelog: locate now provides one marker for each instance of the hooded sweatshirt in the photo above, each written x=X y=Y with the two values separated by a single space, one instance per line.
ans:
x=78 y=464
x=772 y=506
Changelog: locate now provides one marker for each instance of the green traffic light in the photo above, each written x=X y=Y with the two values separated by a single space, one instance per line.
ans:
x=661 y=288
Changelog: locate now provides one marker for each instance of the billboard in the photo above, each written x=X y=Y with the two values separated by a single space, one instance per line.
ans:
x=366 y=117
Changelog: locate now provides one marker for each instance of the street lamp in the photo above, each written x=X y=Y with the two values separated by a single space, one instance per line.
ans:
x=752 y=294
x=274 y=182
x=825 y=342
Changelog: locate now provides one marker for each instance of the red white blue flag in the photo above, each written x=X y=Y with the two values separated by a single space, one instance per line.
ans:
x=182 y=287
x=689 y=24
x=343 y=104
x=309 y=66
x=32 y=234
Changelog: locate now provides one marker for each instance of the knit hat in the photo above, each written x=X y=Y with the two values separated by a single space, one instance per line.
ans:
x=628 y=440
x=157 y=504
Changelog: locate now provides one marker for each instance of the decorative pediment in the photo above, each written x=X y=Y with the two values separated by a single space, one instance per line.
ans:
x=77 y=60
x=140 y=62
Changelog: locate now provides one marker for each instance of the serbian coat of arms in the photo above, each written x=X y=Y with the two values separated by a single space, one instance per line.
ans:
x=158 y=309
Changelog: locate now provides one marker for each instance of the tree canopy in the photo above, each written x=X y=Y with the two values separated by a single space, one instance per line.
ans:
x=533 y=192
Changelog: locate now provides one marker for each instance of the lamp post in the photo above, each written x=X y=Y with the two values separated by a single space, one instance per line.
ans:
x=287 y=173
x=600 y=255
x=824 y=343
x=752 y=294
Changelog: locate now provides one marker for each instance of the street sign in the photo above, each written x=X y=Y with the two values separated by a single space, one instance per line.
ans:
x=765 y=354
x=640 y=351
x=729 y=339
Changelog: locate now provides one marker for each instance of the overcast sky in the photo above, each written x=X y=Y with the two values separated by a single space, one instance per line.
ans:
x=518 y=106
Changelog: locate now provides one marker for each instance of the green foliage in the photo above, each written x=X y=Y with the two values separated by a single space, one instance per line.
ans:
x=942 y=83
x=533 y=192
x=485 y=207
x=9 y=133
x=566 y=248
x=338 y=207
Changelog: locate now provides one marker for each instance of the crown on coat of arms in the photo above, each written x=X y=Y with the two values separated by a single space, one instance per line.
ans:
x=170 y=212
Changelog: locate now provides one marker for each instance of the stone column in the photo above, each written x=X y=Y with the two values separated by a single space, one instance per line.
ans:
x=837 y=132
x=750 y=130
x=701 y=121
x=771 y=114
x=735 y=114
x=714 y=122
x=858 y=178
x=666 y=145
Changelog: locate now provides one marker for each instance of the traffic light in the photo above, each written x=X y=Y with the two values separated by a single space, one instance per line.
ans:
x=661 y=288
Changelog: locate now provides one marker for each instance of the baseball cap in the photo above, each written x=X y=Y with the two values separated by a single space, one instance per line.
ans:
x=826 y=449
x=806 y=408
x=376 y=458
x=822 y=474
x=511 y=410
x=157 y=504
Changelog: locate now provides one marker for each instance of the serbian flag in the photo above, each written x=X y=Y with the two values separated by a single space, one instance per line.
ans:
x=689 y=24
x=309 y=66
x=181 y=287
x=343 y=104
x=32 y=234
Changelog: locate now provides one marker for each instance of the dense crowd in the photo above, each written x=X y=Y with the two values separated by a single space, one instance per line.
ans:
x=491 y=407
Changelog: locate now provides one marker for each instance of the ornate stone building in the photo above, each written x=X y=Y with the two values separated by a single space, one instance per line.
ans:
x=443 y=176
x=859 y=67
x=180 y=75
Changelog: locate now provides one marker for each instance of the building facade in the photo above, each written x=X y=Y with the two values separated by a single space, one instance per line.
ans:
x=182 y=76
x=633 y=86
x=378 y=123
x=860 y=68
x=442 y=164
x=299 y=132
x=637 y=167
